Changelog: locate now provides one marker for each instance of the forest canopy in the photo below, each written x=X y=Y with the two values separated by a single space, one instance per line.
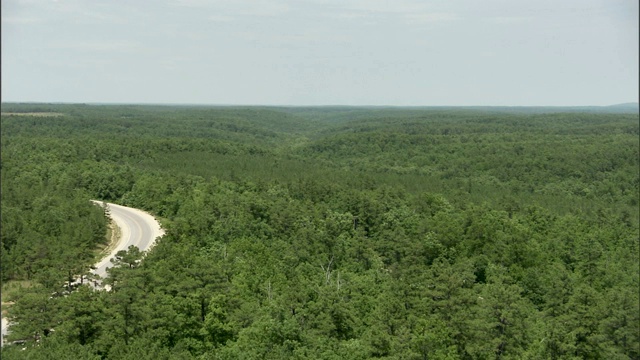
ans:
x=325 y=232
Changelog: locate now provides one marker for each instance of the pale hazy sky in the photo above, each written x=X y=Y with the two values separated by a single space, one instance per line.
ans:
x=321 y=52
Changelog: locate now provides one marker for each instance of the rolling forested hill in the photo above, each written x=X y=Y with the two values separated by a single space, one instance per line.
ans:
x=326 y=232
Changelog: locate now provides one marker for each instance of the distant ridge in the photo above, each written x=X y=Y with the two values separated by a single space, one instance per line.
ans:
x=626 y=105
x=630 y=107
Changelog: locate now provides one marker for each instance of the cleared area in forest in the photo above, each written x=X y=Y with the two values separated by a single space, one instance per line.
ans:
x=37 y=114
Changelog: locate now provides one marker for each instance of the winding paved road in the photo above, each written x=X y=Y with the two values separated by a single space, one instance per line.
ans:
x=137 y=228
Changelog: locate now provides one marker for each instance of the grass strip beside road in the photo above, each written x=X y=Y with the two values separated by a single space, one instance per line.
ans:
x=113 y=238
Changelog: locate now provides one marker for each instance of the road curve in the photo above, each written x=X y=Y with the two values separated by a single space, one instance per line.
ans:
x=137 y=228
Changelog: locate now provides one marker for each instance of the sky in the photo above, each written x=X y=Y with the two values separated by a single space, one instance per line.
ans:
x=321 y=52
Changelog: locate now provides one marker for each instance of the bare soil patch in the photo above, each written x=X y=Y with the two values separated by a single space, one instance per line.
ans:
x=113 y=237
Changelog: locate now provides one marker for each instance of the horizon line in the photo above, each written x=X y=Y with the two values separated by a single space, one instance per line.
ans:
x=629 y=104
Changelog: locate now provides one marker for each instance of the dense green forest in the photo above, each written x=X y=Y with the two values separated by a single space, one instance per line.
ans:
x=325 y=232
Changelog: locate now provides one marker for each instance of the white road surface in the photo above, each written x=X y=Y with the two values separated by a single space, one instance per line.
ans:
x=137 y=228
x=5 y=329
